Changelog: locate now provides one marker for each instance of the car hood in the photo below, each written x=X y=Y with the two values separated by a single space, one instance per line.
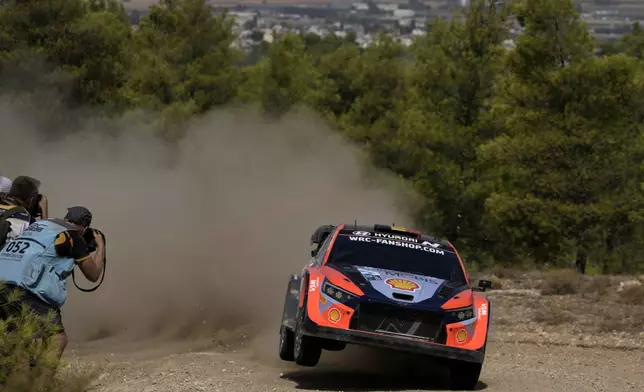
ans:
x=399 y=285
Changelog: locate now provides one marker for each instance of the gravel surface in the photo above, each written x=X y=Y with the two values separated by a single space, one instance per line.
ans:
x=509 y=367
x=537 y=343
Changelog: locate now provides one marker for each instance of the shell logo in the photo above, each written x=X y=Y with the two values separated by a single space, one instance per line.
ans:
x=402 y=284
x=461 y=336
x=334 y=315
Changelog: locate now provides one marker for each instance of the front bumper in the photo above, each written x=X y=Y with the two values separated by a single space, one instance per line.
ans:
x=397 y=343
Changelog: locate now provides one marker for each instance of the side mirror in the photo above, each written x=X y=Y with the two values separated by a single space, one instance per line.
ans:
x=484 y=285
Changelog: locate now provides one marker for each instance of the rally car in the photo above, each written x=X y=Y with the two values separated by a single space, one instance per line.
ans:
x=385 y=286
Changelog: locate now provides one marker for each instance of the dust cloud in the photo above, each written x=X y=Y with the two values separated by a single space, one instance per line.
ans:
x=202 y=236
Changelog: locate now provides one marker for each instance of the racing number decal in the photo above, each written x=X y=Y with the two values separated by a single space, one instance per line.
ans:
x=17 y=247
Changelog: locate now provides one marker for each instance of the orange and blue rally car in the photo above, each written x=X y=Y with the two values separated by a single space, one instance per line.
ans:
x=385 y=286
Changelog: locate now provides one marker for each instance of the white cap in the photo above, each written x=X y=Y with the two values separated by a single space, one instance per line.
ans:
x=5 y=184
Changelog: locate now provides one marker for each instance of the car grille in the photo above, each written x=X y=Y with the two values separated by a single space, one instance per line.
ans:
x=388 y=319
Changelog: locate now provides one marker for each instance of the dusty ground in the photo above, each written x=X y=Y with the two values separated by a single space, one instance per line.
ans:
x=538 y=343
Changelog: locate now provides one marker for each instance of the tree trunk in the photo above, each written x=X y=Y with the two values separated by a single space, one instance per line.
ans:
x=580 y=261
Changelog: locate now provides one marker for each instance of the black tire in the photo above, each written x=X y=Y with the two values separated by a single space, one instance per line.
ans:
x=286 y=345
x=306 y=349
x=464 y=376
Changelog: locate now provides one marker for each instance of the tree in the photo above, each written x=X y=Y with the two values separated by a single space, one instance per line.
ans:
x=451 y=83
x=184 y=55
x=64 y=53
x=285 y=78
x=377 y=87
x=337 y=93
x=633 y=43
x=569 y=131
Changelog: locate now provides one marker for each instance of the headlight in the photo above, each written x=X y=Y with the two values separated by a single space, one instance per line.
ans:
x=337 y=293
x=458 y=315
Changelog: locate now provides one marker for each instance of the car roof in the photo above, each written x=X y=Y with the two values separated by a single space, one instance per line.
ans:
x=392 y=229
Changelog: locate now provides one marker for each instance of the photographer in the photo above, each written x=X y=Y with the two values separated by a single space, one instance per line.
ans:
x=5 y=186
x=51 y=248
x=19 y=207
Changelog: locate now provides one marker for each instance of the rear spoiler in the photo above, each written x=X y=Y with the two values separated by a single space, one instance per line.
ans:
x=393 y=229
x=320 y=234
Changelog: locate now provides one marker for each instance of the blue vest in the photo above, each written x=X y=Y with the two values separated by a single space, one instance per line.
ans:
x=31 y=262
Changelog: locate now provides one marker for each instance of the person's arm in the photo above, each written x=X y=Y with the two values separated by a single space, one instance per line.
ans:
x=93 y=266
x=72 y=244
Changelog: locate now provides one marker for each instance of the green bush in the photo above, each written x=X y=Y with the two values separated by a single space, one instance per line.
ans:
x=29 y=363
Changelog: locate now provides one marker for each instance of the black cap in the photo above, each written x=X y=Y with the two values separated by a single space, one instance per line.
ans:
x=79 y=215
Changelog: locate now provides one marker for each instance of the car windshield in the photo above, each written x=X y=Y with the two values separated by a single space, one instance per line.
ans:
x=398 y=256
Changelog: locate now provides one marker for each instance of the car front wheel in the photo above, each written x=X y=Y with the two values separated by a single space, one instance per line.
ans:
x=307 y=349
x=464 y=376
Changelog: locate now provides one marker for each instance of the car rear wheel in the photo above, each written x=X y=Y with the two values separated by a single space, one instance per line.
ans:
x=464 y=376
x=286 y=347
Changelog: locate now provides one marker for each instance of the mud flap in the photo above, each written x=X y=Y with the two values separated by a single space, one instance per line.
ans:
x=291 y=302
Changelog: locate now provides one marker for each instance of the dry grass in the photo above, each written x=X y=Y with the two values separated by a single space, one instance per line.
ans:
x=553 y=316
x=632 y=295
x=600 y=285
x=503 y=272
x=621 y=319
x=579 y=303
x=561 y=282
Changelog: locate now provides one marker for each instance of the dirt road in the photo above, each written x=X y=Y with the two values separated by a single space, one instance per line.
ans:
x=509 y=367
x=567 y=355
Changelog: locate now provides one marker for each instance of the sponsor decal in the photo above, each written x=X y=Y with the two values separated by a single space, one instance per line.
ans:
x=414 y=276
x=334 y=315
x=433 y=245
x=396 y=237
x=461 y=335
x=386 y=235
x=369 y=274
x=483 y=310
x=313 y=284
x=402 y=284
x=322 y=299
x=37 y=227
x=397 y=243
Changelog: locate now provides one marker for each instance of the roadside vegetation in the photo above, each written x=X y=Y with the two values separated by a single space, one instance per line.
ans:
x=28 y=362
x=527 y=159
